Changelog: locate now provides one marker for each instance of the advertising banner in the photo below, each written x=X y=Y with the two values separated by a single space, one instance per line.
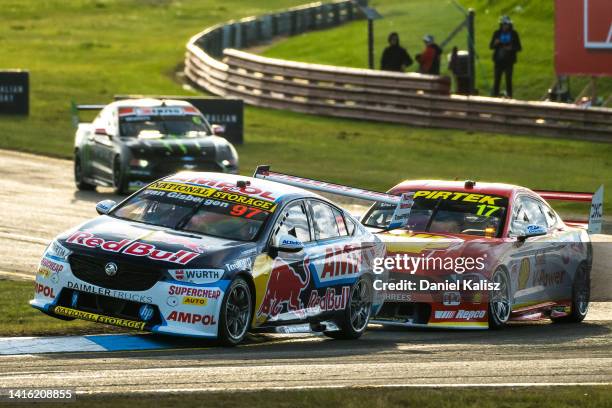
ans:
x=583 y=37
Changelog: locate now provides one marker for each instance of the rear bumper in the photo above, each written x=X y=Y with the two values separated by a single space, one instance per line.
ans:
x=433 y=315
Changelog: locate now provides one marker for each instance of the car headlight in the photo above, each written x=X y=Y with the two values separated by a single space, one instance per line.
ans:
x=227 y=154
x=139 y=163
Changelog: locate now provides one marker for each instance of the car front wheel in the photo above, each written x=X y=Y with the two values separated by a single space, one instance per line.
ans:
x=119 y=177
x=236 y=313
x=78 y=176
x=500 y=301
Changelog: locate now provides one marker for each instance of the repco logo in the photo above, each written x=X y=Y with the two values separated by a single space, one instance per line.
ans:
x=45 y=290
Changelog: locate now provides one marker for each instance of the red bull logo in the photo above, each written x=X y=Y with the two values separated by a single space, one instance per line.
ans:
x=284 y=288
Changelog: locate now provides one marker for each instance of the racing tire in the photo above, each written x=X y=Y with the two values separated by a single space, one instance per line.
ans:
x=119 y=177
x=353 y=321
x=500 y=301
x=236 y=313
x=581 y=295
x=78 y=176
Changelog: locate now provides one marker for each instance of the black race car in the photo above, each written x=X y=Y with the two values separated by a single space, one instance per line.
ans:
x=133 y=142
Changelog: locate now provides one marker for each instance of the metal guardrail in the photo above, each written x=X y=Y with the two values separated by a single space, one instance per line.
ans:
x=213 y=64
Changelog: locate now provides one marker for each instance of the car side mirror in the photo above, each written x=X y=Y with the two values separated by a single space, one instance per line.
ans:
x=288 y=243
x=532 y=230
x=105 y=206
x=217 y=130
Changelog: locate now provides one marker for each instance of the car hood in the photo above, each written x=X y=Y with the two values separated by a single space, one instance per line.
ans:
x=112 y=238
x=197 y=148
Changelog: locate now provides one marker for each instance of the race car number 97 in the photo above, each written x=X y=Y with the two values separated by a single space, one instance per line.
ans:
x=244 y=211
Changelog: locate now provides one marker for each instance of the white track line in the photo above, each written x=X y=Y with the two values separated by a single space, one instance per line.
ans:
x=17 y=275
x=24 y=238
x=319 y=387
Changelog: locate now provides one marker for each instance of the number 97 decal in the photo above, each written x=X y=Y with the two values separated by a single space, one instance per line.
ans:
x=244 y=211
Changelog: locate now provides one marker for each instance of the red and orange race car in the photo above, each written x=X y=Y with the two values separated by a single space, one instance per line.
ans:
x=477 y=255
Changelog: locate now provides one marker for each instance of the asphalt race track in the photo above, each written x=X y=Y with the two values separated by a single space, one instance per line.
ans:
x=522 y=354
x=38 y=200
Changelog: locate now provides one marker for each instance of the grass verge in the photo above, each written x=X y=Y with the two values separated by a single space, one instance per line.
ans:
x=88 y=50
x=18 y=318
x=541 y=397
x=533 y=19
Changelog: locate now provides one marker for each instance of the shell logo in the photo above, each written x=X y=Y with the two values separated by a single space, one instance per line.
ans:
x=524 y=273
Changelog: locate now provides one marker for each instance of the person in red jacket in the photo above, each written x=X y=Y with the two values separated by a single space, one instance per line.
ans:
x=429 y=60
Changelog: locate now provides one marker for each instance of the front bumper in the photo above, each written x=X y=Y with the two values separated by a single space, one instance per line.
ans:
x=169 y=306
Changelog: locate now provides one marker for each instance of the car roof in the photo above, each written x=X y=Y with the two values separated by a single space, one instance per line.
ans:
x=148 y=103
x=257 y=187
x=499 y=189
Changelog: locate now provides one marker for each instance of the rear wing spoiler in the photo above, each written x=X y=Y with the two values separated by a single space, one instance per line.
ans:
x=403 y=203
x=74 y=111
x=596 y=199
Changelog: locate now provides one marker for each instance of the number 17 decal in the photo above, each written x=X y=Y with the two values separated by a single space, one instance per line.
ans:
x=482 y=210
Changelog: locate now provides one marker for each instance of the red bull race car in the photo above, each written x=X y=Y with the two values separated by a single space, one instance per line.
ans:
x=214 y=255
x=475 y=255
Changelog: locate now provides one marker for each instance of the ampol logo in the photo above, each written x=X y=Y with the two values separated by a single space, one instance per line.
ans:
x=45 y=290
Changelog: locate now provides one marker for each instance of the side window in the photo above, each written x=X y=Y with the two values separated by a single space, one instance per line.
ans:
x=350 y=226
x=340 y=222
x=534 y=212
x=105 y=119
x=527 y=212
x=551 y=217
x=294 y=222
x=324 y=221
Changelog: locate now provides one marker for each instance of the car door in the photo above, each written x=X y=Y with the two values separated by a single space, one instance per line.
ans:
x=335 y=261
x=285 y=295
x=560 y=265
x=531 y=260
x=103 y=144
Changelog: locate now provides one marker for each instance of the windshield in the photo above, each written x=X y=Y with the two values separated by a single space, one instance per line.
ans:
x=447 y=212
x=163 y=205
x=157 y=126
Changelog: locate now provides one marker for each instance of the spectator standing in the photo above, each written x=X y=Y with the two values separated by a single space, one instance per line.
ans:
x=395 y=57
x=505 y=43
x=429 y=60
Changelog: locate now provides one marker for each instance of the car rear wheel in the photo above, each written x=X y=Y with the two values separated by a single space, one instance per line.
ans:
x=356 y=315
x=119 y=177
x=236 y=313
x=500 y=301
x=78 y=176
x=581 y=295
